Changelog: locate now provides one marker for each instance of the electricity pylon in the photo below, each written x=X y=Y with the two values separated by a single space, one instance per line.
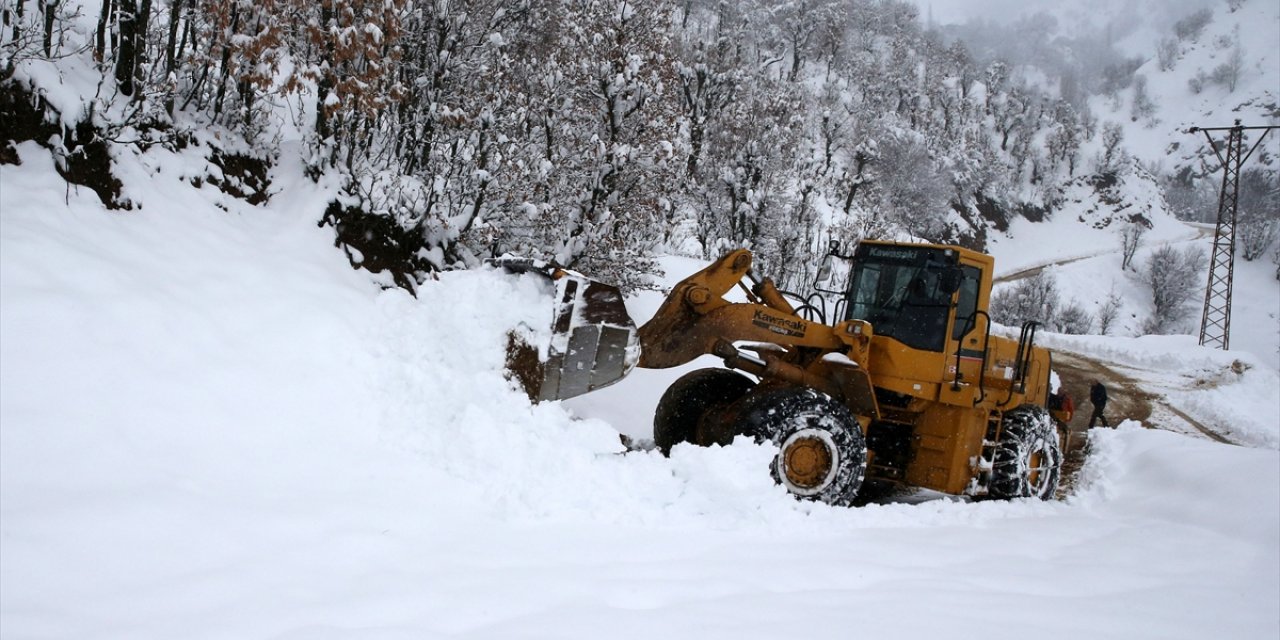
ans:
x=1215 y=324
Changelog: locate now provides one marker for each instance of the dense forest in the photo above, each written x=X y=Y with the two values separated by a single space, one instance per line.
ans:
x=596 y=132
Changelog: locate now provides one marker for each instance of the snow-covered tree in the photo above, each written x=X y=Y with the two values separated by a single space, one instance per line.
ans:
x=1073 y=319
x=1130 y=239
x=1258 y=216
x=1113 y=156
x=1033 y=298
x=1167 y=51
x=1143 y=107
x=1172 y=277
x=1109 y=311
x=612 y=117
x=912 y=191
x=1228 y=73
x=1192 y=25
x=1064 y=140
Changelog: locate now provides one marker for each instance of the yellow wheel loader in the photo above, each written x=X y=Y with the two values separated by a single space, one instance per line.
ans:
x=889 y=377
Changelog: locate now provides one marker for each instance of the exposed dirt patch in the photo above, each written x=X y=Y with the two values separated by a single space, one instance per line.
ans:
x=992 y=211
x=88 y=163
x=20 y=121
x=81 y=155
x=243 y=176
x=377 y=243
x=524 y=365
x=1125 y=400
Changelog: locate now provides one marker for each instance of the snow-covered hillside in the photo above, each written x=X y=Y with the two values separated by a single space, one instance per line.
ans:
x=1199 y=37
x=1252 y=32
x=211 y=427
x=1080 y=247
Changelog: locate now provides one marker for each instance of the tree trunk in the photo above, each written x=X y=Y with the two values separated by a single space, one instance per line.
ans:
x=696 y=133
x=142 y=21
x=325 y=85
x=17 y=23
x=50 y=8
x=186 y=36
x=170 y=55
x=226 y=65
x=795 y=62
x=126 y=54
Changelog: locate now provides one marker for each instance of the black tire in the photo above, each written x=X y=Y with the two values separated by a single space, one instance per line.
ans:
x=692 y=401
x=1028 y=459
x=822 y=454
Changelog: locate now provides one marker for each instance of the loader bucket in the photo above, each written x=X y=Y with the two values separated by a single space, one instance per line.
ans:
x=592 y=341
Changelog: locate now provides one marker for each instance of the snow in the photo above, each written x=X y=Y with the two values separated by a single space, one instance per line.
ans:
x=212 y=427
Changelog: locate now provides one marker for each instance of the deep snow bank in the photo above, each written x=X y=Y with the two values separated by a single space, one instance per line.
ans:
x=211 y=427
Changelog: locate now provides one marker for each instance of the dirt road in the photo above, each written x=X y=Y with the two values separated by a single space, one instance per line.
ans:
x=1031 y=271
x=1126 y=400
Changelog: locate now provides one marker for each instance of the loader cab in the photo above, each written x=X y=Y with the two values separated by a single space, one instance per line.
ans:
x=906 y=292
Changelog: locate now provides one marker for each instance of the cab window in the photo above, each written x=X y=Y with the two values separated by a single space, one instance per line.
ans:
x=899 y=293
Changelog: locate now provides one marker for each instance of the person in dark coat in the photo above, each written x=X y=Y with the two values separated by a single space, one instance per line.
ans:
x=1098 y=396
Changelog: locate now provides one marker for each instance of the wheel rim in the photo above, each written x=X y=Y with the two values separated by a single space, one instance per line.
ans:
x=1033 y=469
x=808 y=459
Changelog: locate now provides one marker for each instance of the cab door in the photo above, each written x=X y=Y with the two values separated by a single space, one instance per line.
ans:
x=967 y=336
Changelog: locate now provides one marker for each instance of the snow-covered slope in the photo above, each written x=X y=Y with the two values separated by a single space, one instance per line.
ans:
x=1136 y=30
x=1080 y=246
x=1253 y=30
x=211 y=427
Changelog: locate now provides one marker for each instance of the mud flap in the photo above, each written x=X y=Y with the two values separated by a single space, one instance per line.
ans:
x=592 y=344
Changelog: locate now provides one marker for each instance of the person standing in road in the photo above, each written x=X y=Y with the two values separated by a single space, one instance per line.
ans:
x=1098 y=396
